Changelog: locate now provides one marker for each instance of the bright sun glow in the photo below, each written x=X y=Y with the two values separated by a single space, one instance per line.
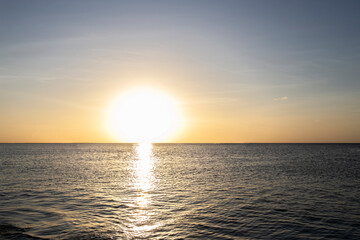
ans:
x=143 y=115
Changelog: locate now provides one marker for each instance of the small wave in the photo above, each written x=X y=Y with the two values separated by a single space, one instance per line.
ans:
x=88 y=236
x=8 y=232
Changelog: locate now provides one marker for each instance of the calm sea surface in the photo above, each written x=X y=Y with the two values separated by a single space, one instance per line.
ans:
x=180 y=191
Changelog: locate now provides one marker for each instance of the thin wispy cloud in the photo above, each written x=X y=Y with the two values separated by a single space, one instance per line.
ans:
x=212 y=101
x=281 y=98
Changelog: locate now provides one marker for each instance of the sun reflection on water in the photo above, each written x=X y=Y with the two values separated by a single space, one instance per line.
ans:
x=144 y=167
x=141 y=220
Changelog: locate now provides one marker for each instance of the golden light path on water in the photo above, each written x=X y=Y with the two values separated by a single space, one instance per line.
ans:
x=141 y=219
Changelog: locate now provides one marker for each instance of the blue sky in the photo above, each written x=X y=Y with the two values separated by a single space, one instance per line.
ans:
x=289 y=64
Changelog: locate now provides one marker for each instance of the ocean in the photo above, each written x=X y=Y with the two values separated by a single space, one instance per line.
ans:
x=180 y=191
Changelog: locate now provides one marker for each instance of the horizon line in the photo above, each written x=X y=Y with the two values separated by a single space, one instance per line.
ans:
x=181 y=143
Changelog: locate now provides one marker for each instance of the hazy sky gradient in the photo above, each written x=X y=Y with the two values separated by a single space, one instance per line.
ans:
x=244 y=71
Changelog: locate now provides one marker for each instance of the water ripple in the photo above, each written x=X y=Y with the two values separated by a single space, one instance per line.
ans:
x=179 y=191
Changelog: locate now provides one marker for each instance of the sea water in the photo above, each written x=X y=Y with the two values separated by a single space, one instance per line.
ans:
x=179 y=191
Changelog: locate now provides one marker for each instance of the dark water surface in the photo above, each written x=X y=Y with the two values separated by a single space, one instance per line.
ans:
x=180 y=191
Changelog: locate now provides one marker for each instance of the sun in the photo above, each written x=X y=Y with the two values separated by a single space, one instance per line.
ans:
x=143 y=115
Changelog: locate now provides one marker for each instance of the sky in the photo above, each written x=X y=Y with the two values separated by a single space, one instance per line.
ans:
x=241 y=71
